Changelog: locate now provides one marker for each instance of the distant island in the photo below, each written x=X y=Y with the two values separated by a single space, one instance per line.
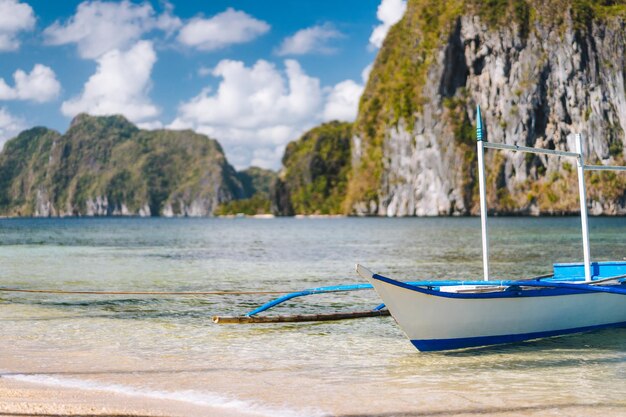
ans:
x=106 y=166
x=541 y=74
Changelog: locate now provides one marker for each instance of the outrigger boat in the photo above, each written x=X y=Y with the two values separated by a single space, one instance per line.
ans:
x=443 y=315
x=580 y=297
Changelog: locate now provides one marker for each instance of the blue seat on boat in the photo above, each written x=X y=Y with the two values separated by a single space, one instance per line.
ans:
x=599 y=270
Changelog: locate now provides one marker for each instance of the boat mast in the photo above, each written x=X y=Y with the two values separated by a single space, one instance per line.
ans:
x=580 y=162
x=482 y=190
x=581 y=168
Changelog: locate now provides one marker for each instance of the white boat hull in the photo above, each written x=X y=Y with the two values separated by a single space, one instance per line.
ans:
x=435 y=320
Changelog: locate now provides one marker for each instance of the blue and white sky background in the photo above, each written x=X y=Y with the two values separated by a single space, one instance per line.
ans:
x=253 y=74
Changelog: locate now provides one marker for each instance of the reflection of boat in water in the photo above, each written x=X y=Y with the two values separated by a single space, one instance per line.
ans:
x=450 y=315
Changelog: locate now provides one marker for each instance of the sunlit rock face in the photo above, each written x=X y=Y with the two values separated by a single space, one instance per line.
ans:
x=539 y=81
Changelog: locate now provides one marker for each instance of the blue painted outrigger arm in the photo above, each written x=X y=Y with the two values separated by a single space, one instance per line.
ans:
x=337 y=288
x=310 y=291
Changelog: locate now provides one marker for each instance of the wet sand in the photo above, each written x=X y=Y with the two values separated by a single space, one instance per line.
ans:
x=22 y=399
x=19 y=398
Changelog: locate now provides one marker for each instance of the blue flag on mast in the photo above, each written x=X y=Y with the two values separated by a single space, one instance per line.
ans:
x=479 y=124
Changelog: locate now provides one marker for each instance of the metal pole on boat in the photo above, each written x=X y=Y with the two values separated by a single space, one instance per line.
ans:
x=580 y=160
x=482 y=190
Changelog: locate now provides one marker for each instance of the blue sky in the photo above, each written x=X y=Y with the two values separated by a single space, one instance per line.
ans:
x=253 y=74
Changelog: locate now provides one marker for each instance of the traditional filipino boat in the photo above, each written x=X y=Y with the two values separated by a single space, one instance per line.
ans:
x=442 y=315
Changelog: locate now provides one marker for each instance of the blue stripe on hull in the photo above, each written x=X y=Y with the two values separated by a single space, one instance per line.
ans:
x=465 y=342
x=540 y=292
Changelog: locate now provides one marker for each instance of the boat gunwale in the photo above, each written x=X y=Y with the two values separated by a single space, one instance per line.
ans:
x=515 y=293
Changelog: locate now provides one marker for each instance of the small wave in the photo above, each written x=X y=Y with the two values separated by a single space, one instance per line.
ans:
x=87 y=303
x=206 y=399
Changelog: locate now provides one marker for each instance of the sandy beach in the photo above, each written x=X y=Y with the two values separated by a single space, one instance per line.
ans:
x=37 y=400
x=19 y=398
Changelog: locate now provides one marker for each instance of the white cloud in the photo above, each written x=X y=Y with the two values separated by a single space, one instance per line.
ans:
x=40 y=85
x=343 y=101
x=99 y=27
x=365 y=74
x=256 y=96
x=167 y=22
x=255 y=111
x=204 y=71
x=15 y=17
x=224 y=29
x=389 y=13
x=150 y=125
x=10 y=126
x=265 y=157
x=310 y=40
x=119 y=86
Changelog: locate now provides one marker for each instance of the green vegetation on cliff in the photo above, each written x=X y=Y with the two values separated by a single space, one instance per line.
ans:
x=255 y=180
x=27 y=153
x=257 y=204
x=315 y=171
x=106 y=165
x=395 y=94
x=256 y=183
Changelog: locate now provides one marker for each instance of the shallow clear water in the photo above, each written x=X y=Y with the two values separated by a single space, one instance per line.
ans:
x=170 y=347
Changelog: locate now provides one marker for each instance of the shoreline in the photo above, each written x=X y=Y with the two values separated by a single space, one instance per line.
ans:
x=320 y=216
x=25 y=398
x=29 y=398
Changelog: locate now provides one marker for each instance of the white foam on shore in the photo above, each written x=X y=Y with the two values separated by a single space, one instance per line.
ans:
x=207 y=399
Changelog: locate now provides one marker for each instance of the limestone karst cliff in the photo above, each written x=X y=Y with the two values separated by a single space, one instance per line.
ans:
x=257 y=186
x=107 y=166
x=541 y=70
x=315 y=172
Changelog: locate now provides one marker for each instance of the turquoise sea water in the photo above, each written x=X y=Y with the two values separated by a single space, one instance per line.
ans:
x=169 y=347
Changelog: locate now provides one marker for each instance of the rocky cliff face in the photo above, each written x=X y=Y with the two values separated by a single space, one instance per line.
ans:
x=315 y=172
x=257 y=186
x=106 y=166
x=542 y=71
